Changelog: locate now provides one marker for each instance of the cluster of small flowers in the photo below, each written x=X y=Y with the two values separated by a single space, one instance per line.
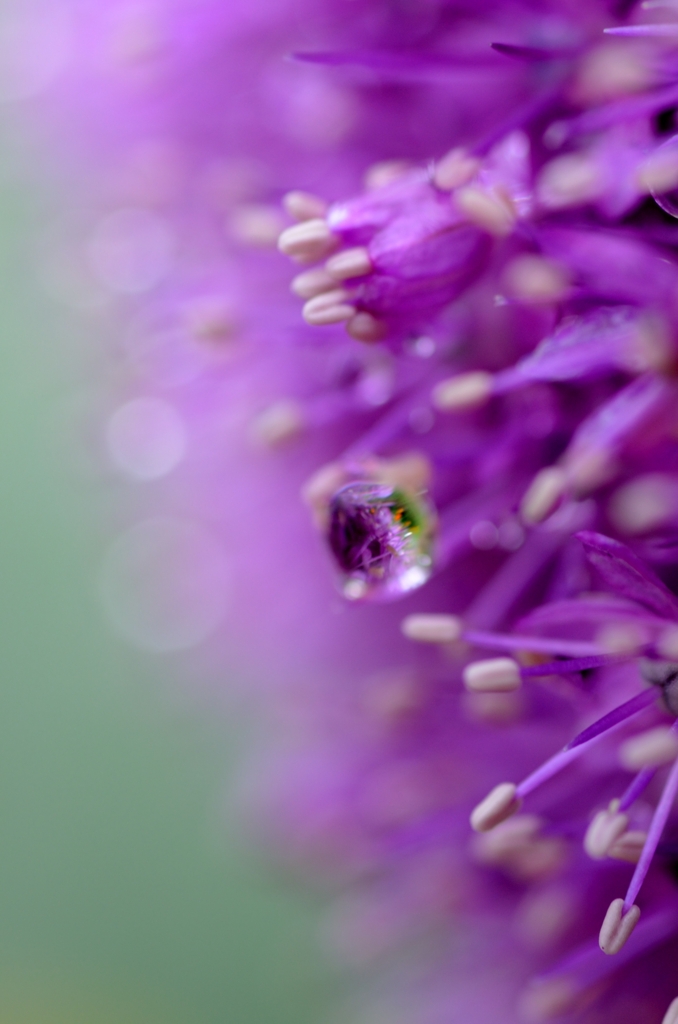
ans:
x=478 y=406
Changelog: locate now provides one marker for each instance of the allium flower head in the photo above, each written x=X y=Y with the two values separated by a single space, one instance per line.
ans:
x=443 y=470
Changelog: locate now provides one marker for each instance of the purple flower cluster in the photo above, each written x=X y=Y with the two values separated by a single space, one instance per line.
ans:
x=446 y=486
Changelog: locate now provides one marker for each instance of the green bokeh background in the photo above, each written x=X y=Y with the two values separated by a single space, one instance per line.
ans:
x=119 y=898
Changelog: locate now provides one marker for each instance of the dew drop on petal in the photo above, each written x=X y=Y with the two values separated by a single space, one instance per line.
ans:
x=165 y=584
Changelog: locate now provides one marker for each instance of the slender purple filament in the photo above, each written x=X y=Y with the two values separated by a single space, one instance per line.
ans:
x=655 y=833
x=584 y=740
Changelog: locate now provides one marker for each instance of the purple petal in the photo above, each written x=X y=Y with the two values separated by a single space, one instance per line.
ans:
x=623 y=572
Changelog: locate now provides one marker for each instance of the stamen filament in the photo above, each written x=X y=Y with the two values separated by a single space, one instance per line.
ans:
x=560 y=668
x=654 y=833
x=538 y=644
x=583 y=741
x=637 y=787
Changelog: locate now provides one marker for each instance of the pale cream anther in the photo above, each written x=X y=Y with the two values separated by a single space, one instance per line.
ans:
x=613 y=69
x=281 y=422
x=411 y=471
x=544 y=1001
x=366 y=328
x=667 y=644
x=456 y=168
x=543 y=494
x=644 y=503
x=495 y=675
x=463 y=392
x=659 y=172
x=318 y=490
x=304 y=205
x=489 y=209
x=497 y=806
x=349 y=263
x=617 y=927
x=495 y=846
x=671 y=1015
x=649 y=749
x=312 y=283
x=517 y=848
x=604 y=831
x=628 y=847
x=256 y=224
x=621 y=637
x=494 y=708
x=535 y=279
x=569 y=180
x=328 y=308
x=432 y=629
x=385 y=173
x=589 y=468
x=308 y=242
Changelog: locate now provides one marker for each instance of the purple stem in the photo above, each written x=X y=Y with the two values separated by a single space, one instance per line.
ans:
x=561 y=668
x=637 y=786
x=586 y=966
x=655 y=832
x=614 y=717
x=541 y=644
x=496 y=599
x=622 y=110
x=583 y=741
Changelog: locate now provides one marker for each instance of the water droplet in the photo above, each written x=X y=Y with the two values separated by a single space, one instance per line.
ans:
x=381 y=539
x=662 y=176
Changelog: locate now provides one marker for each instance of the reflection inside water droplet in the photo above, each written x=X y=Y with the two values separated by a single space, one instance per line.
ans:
x=381 y=538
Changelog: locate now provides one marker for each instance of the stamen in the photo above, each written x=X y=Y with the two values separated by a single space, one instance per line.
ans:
x=567 y=666
x=568 y=181
x=308 y=242
x=543 y=494
x=628 y=847
x=644 y=503
x=583 y=741
x=349 y=263
x=613 y=718
x=603 y=832
x=385 y=173
x=649 y=749
x=617 y=927
x=497 y=806
x=304 y=205
x=538 y=644
x=464 y=392
x=432 y=629
x=517 y=847
x=669 y=30
x=456 y=168
x=328 y=308
x=281 y=422
x=437 y=629
x=671 y=1016
x=654 y=834
x=256 y=224
x=637 y=788
x=535 y=279
x=366 y=328
x=492 y=210
x=496 y=675
x=312 y=283
x=518 y=571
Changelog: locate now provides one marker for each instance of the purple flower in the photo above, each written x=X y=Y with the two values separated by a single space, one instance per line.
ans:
x=477 y=404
